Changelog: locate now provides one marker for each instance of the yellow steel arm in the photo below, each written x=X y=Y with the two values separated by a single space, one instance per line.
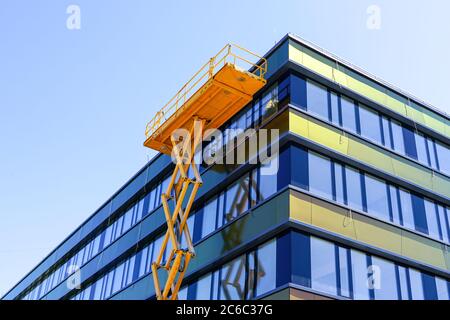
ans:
x=177 y=190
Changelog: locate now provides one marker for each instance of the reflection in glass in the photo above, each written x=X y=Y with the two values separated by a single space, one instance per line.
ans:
x=323 y=266
x=232 y=282
x=266 y=267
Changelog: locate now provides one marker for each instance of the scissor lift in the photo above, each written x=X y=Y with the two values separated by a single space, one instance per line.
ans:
x=211 y=97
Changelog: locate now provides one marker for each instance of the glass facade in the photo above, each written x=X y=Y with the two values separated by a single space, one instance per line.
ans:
x=312 y=263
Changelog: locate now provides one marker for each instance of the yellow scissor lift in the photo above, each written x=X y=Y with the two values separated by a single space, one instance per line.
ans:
x=211 y=97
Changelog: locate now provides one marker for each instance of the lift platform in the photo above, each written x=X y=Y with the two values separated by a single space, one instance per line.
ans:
x=222 y=87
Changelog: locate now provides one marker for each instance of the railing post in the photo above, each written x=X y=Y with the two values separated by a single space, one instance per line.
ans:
x=211 y=67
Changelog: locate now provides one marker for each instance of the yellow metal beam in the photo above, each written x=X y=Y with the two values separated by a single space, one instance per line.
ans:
x=177 y=190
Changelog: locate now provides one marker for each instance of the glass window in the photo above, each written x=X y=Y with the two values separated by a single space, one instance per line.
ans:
x=130 y=274
x=394 y=203
x=237 y=198
x=204 y=288
x=387 y=141
x=335 y=114
x=410 y=143
x=252 y=273
x=370 y=124
x=145 y=259
x=387 y=289
x=317 y=98
x=422 y=153
x=344 y=272
x=432 y=152
x=443 y=153
x=397 y=137
x=319 y=175
x=443 y=222
x=420 y=219
x=376 y=193
x=442 y=289
x=266 y=265
x=416 y=284
x=209 y=217
x=108 y=285
x=117 y=285
x=354 y=194
x=360 y=275
x=152 y=197
x=432 y=219
x=98 y=288
x=298 y=88
x=407 y=209
x=323 y=266
x=403 y=283
x=338 y=183
x=182 y=294
x=348 y=109
x=269 y=102
x=127 y=220
x=267 y=182
x=232 y=283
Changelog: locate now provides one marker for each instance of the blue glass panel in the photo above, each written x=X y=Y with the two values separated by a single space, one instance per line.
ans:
x=420 y=219
x=354 y=193
x=323 y=266
x=298 y=91
x=204 y=288
x=360 y=275
x=339 y=185
x=344 y=272
x=415 y=278
x=299 y=167
x=387 y=139
x=232 y=283
x=317 y=97
x=376 y=193
x=432 y=219
x=209 y=217
x=429 y=287
x=407 y=209
x=443 y=153
x=403 y=283
x=442 y=289
x=348 y=110
x=422 y=152
x=320 y=175
x=266 y=266
x=397 y=137
x=301 y=259
x=410 y=143
x=370 y=124
x=387 y=289
x=334 y=109
x=394 y=202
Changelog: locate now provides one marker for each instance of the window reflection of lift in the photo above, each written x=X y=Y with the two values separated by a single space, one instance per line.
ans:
x=212 y=96
x=232 y=281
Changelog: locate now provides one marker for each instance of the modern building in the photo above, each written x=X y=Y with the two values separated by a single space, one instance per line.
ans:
x=358 y=209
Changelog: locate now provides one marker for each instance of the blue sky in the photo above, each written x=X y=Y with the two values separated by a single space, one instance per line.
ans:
x=74 y=103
